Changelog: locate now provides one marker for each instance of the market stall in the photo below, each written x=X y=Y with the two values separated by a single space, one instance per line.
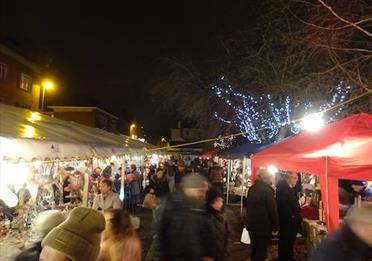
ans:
x=340 y=150
x=238 y=166
x=40 y=154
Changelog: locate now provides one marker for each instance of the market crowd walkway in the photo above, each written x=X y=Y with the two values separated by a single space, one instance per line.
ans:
x=238 y=251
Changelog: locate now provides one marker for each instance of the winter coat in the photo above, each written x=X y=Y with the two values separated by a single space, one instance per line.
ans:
x=216 y=174
x=217 y=232
x=262 y=216
x=135 y=186
x=289 y=209
x=342 y=245
x=180 y=232
x=159 y=185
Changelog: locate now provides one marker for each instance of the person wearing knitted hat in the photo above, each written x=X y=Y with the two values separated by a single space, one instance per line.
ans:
x=77 y=238
x=44 y=222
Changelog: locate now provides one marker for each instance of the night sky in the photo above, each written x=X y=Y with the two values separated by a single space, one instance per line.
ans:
x=107 y=54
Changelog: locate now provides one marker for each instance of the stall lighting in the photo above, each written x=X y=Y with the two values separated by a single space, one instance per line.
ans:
x=313 y=122
x=272 y=169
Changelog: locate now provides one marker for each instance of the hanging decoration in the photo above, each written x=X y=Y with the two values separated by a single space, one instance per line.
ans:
x=262 y=117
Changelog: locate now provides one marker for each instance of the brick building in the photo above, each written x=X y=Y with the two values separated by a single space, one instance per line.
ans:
x=20 y=79
x=90 y=116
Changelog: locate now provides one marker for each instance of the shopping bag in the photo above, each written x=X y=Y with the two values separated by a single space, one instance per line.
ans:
x=245 y=238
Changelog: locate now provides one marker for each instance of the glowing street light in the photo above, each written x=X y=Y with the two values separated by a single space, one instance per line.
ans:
x=46 y=85
x=133 y=131
x=313 y=122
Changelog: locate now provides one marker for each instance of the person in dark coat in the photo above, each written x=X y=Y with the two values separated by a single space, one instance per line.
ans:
x=159 y=183
x=289 y=215
x=217 y=228
x=262 y=216
x=352 y=241
x=179 y=233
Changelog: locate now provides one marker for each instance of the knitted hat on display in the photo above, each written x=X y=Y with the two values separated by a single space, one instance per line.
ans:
x=47 y=220
x=79 y=236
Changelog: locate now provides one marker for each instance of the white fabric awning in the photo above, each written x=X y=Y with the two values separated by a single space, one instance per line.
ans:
x=31 y=135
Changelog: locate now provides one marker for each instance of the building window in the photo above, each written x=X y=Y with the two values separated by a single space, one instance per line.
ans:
x=26 y=82
x=3 y=71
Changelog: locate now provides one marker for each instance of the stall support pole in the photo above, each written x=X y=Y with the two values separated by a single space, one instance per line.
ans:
x=228 y=181
x=86 y=190
x=122 y=187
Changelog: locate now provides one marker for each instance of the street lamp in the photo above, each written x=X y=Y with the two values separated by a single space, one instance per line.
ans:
x=132 y=131
x=46 y=85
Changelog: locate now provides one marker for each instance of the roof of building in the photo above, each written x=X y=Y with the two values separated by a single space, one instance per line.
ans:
x=80 y=109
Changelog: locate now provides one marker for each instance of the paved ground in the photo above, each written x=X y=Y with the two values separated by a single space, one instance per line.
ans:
x=238 y=251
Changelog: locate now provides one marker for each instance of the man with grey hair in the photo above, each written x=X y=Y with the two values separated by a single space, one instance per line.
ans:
x=180 y=229
x=262 y=217
x=352 y=241
x=289 y=215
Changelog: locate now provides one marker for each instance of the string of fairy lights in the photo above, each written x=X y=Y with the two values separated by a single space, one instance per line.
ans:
x=262 y=117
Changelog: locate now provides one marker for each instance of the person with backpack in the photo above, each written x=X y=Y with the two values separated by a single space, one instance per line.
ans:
x=216 y=177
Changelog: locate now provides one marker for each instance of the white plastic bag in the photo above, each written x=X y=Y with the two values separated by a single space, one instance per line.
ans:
x=245 y=238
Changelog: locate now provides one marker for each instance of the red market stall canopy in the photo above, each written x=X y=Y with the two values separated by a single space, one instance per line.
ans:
x=340 y=150
x=209 y=153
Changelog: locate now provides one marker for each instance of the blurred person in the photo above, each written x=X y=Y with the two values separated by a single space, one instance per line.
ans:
x=44 y=222
x=352 y=241
x=107 y=199
x=76 y=239
x=362 y=190
x=180 y=172
x=119 y=239
x=135 y=188
x=262 y=215
x=217 y=228
x=159 y=183
x=289 y=212
x=108 y=172
x=216 y=176
x=182 y=221
x=170 y=172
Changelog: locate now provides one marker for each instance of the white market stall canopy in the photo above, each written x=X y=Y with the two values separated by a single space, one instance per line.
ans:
x=31 y=135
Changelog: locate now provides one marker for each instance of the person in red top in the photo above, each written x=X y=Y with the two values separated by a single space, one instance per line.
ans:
x=216 y=177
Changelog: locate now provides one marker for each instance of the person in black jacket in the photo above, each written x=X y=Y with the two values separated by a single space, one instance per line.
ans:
x=262 y=217
x=179 y=234
x=351 y=242
x=216 y=229
x=289 y=215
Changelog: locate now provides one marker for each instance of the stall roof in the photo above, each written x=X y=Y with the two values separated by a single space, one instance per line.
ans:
x=63 y=138
x=242 y=150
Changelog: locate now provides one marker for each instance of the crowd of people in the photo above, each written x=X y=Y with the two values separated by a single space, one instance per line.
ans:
x=188 y=219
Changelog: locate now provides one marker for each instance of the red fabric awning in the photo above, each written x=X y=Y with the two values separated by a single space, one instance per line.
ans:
x=341 y=150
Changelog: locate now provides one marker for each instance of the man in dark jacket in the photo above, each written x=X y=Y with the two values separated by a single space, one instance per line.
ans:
x=262 y=217
x=179 y=232
x=352 y=242
x=289 y=216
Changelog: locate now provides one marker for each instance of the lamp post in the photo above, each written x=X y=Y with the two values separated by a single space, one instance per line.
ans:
x=46 y=85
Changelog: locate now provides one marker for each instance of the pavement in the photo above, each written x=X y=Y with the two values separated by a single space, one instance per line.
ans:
x=238 y=251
